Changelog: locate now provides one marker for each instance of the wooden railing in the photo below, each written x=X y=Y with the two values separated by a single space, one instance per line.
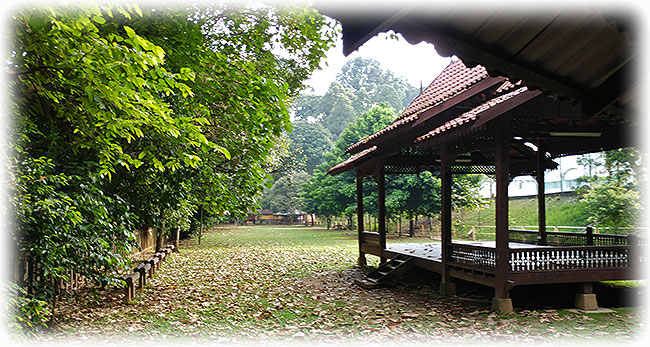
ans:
x=473 y=257
x=549 y=259
x=569 y=258
x=371 y=238
x=561 y=238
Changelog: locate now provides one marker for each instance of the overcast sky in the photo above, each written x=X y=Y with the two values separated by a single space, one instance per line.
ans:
x=414 y=62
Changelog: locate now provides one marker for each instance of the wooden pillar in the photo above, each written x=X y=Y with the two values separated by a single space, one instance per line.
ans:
x=447 y=287
x=502 y=253
x=541 y=197
x=381 y=210
x=362 y=256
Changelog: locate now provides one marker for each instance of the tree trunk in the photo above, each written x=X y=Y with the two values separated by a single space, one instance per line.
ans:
x=178 y=236
x=411 y=228
x=369 y=224
x=201 y=225
x=159 y=238
x=399 y=226
x=329 y=223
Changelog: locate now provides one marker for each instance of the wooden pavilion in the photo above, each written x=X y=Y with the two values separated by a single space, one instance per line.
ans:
x=554 y=86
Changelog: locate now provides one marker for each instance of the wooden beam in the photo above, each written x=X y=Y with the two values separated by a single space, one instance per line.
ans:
x=381 y=212
x=362 y=256
x=359 y=29
x=502 y=161
x=498 y=110
x=541 y=197
x=445 y=212
x=613 y=88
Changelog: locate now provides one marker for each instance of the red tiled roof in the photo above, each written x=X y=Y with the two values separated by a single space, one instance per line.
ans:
x=472 y=114
x=352 y=159
x=455 y=78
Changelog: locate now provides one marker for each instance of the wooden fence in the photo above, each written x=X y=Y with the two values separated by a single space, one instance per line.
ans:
x=27 y=272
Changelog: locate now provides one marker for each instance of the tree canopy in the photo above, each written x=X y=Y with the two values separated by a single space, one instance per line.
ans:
x=360 y=85
x=128 y=117
x=613 y=199
x=310 y=141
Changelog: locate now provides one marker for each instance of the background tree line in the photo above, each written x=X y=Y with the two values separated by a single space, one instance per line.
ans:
x=362 y=100
x=358 y=104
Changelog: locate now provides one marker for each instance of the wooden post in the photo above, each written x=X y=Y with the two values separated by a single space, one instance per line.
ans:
x=501 y=301
x=381 y=211
x=589 y=230
x=446 y=286
x=362 y=256
x=541 y=197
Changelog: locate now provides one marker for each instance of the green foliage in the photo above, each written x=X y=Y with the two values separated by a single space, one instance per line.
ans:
x=100 y=86
x=127 y=117
x=612 y=200
x=330 y=196
x=622 y=165
x=359 y=86
x=26 y=311
x=310 y=141
x=285 y=194
x=412 y=195
x=370 y=122
x=611 y=205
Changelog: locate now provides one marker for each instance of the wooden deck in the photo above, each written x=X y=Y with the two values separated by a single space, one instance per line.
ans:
x=474 y=261
x=432 y=250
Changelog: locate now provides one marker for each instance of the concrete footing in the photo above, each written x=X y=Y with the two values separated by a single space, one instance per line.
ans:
x=448 y=288
x=586 y=302
x=502 y=305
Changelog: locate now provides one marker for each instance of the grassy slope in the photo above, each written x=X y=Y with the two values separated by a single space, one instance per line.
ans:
x=560 y=210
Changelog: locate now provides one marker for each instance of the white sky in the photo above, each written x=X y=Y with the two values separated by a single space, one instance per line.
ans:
x=414 y=62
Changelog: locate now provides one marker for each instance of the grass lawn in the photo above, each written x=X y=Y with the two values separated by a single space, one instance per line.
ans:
x=286 y=283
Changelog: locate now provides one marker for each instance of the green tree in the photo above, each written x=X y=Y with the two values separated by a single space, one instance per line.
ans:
x=128 y=118
x=614 y=200
x=309 y=141
x=285 y=194
x=81 y=91
x=241 y=87
x=412 y=195
x=360 y=85
x=611 y=205
x=331 y=196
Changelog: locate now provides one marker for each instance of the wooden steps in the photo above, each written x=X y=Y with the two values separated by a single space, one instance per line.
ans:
x=386 y=272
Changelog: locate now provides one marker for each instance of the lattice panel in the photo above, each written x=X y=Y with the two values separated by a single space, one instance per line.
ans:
x=408 y=170
x=473 y=257
x=476 y=169
x=562 y=238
